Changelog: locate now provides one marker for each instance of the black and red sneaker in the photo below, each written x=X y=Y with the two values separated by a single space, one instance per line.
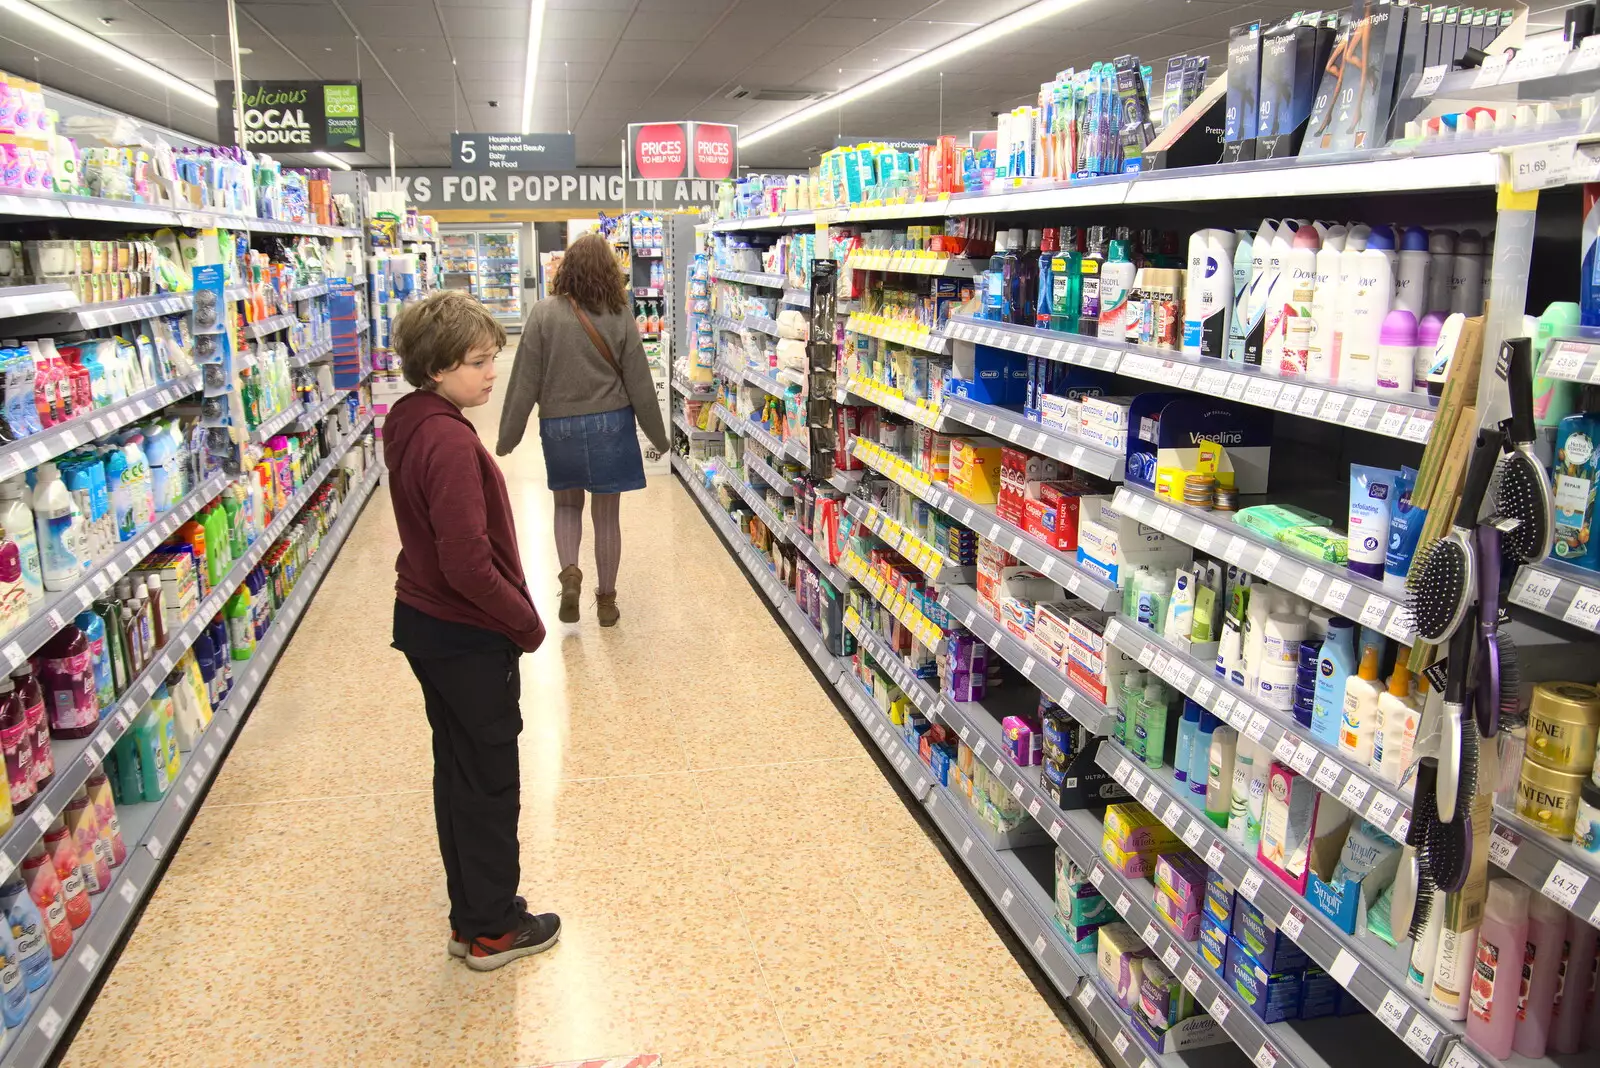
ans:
x=457 y=948
x=534 y=934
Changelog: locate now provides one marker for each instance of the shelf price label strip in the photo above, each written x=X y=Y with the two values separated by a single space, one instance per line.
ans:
x=776 y=482
x=1382 y=804
x=1057 y=444
x=917 y=337
x=63 y=437
x=932 y=418
x=35 y=1041
x=1561 y=594
x=927 y=632
x=1385 y=995
x=1331 y=586
x=931 y=560
x=1554 y=868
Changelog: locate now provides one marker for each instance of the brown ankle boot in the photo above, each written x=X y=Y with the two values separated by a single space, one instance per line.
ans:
x=606 y=609
x=571 y=589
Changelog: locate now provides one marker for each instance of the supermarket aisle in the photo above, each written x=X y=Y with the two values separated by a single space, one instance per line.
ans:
x=739 y=884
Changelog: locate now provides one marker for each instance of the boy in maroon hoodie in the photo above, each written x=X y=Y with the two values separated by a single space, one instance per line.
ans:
x=463 y=617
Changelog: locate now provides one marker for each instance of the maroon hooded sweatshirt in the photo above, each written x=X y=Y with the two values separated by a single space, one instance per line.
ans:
x=458 y=543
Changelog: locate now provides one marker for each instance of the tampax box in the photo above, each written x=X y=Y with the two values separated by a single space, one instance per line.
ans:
x=975 y=468
x=1213 y=943
x=1273 y=996
x=1273 y=950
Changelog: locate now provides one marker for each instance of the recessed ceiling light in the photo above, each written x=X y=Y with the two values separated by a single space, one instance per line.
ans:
x=106 y=50
x=531 y=61
x=243 y=51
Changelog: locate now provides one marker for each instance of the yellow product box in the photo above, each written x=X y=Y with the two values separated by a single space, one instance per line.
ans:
x=1130 y=827
x=975 y=469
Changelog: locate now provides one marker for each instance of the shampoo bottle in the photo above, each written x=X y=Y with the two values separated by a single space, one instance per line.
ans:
x=1188 y=727
x=1398 y=716
x=1334 y=667
x=1541 y=965
x=1116 y=283
x=1573 y=987
x=1219 y=774
x=1497 y=968
x=1360 y=714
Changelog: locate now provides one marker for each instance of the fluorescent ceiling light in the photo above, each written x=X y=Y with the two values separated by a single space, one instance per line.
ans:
x=331 y=160
x=531 y=71
x=106 y=50
x=929 y=60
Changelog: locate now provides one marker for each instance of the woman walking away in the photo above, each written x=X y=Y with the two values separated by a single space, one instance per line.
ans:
x=463 y=617
x=582 y=363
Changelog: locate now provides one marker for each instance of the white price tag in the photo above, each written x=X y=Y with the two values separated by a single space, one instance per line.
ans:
x=1191 y=979
x=1393 y=419
x=1257 y=727
x=1309 y=402
x=1584 y=611
x=88 y=957
x=1269 y=564
x=1237 y=384
x=1152 y=796
x=1033 y=806
x=1332 y=407
x=1121 y=1042
x=1250 y=884
x=1016 y=789
x=1373 y=613
x=1135 y=783
x=1303 y=756
x=1122 y=769
x=127 y=891
x=1502 y=847
x=50 y=1022
x=1343 y=968
x=1327 y=774
x=1262 y=393
x=1393 y=1011
x=155 y=847
x=1288 y=398
x=1147 y=655
x=1431 y=77
x=1459 y=1056
x=1381 y=811
x=1171 y=958
x=1540 y=165
x=1193 y=833
x=1055 y=830
x=1294 y=921
x=1173 y=813
x=1233 y=552
x=1354 y=793
x=42 y=818
x=1150 y=935
x=1309 y=581
x=1338 y=593
x=1564 y=884
x=1006 y=898
x=1359 y=414
x=1097 y=875
x=1266 y=1056
x=1027 y=666
x=1588 y=56
x=1220 y=1009
x=1123 y=904
x=1417 y=428
x=1038 y=946
x=1215 y=854
x=1421 y=1036
x=1203 y=691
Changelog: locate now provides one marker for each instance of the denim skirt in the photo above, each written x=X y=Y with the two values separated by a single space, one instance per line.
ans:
x=598 y=453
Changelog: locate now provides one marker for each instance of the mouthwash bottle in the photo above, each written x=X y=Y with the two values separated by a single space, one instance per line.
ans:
x=994 y=281
x=1049 y=248
x=1010 y=268
x=1089 y=269
x=1024 y=309
x=1066 y=280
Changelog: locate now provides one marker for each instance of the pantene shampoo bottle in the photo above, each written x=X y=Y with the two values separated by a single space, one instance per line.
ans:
x=1365 y=304
x=1497 y=968
x=1360 y=713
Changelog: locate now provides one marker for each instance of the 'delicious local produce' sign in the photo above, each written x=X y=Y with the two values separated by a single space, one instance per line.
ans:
x=295 y=116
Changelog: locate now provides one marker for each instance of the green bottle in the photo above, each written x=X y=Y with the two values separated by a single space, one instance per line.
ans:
x=1066 y=283
x=241 y=624
x=1149 y=741
x=232 y=507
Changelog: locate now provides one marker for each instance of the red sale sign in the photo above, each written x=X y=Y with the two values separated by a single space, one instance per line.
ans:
x=714 y=153
x=659 y=150
x=663 y=150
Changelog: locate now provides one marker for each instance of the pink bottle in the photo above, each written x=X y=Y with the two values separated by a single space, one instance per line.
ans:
x=17 y=741
x=1497 y=968
x=1574 y=987
x=1541 y=967
x=63 y=853
x=94 y=852
x=44 y=886
x=98 y=787
x=67 y=675
x=32 y=697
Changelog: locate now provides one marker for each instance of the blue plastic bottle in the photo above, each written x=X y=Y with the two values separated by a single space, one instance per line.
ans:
x=994 y=282
x=1188 y=727
x=1200 y=752
x=94 y=632
x=1334 y=668
x=33 y=947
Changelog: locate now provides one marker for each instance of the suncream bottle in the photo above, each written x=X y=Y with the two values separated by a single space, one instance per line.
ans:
x=1398 y=716
x=1541 y=963
x=1333 y=670
x=1413 y=272
x=1219 y=774
x=1150 y=727
x=1292 y=337
x=1497 y=968
x=1243 y=273
x=1466 y=280
x=1363 y=307
x=1397 y=353
x=1200 y=753
x=1188 y=727
x=1322 y=346
x=1360 y=711
x=1244 y=759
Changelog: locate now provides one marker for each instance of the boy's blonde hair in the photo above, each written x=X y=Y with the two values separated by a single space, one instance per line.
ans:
x=436 y=333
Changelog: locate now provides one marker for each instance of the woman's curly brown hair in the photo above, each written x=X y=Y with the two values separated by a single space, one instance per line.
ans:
x=590 y=273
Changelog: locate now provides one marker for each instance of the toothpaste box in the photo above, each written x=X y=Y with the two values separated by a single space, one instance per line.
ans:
x=1273 y=996
x=975 y=469
x=1051 y=633
x=1109 y=550
x=1272 y=949
x=1092 y=662
x=1060 y=413
x=1050 y=513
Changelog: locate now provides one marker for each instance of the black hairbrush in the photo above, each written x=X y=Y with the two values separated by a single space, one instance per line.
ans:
x=1424 y=815
x=1443 y=579
x=1521 y=490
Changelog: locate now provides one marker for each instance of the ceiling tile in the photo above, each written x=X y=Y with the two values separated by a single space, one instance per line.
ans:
x=487 y=22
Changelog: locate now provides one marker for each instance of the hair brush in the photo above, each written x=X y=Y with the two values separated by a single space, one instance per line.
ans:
x=1521 y=490
x=1424 y=814
x=1443 y=578
x=1489 y=693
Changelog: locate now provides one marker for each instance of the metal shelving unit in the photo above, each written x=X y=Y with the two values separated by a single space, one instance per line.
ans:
x=65 y=436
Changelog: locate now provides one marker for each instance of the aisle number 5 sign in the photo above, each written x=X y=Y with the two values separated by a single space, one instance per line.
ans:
x=487 y=153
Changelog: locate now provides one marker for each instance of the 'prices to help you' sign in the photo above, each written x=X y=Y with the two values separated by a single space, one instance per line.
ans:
x=666 y=150
x=295 y=116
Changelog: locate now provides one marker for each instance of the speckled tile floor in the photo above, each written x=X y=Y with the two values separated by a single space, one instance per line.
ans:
x=714 y=836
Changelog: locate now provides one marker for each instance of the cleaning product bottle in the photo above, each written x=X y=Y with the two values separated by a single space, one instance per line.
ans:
x=13 y=988
x=1541 y=965
x=241 y=627
x=94 y=852
x=1398 y=716
x=67 y=678
x=44 y=886
x=1049 y=249
x=1360 y=711
x=63 y=855
x=150 y=740
x=27 y=925
x=1219 y=774
x=98 y=787
x=1334 y=668
x=94 y=633
x=16 y=519
x=1200 y=755
x=1089 y=286
x=1188 y=727
x=1150 y=728
x=1497 y=968
x=59 y=526
x=1116 y=283
x=156 y=596
x=17 y=742
x=31 y=694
